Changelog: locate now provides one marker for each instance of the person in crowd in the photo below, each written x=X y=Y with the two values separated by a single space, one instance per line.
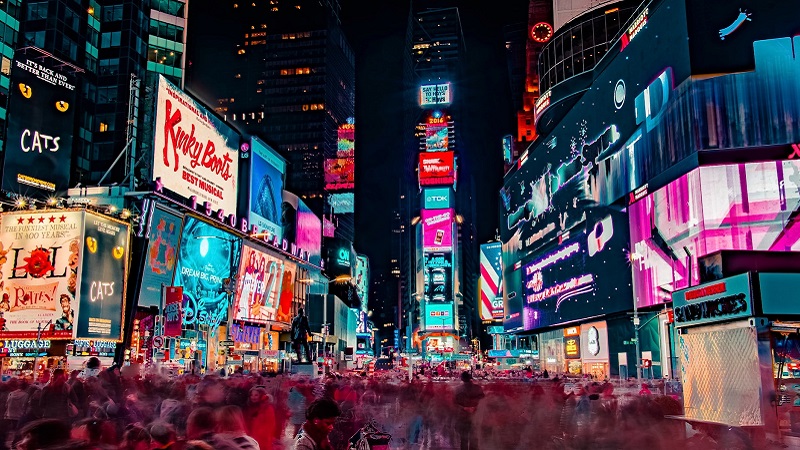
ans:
x=163 y=436
x=259 y=415
x=201 y=425
x=300 y=333
x=230 y=425
x=135 y=438
x=321 y=416
x=42 y=434
x=58 y=401
x=467 y=397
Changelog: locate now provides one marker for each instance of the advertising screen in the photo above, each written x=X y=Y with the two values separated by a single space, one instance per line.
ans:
x=41 y=117
x=339 y=174
x=195 y=153
x=491 y=286
x=362 y=279
x=302 y=226
x=434 y=94
x=583 y=276
x=39 y=260
x=268 y=169
x=725 y=207
x=436 y=137
x=437 y=229
x=507 y=149
x=162 y=252
x=207 y=257
x=436 y=168
x=343 y=203
x=259 y=285
x=345 y=140
x=362 y=324
x=102 y=278
x=284 y=313
x=341 y=258
x=438 y=316
x=438 y=277
x=437 y=198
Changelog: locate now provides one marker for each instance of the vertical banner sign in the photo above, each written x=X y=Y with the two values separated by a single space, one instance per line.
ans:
x=195 y=153
x=491 y=286
x=41 y=116
x=162 y=253
x=258 y=292
x=103 y=273
x=40 y=253
x=173 y=311
x=284 y=313
x=267 y=171
x=437 y=229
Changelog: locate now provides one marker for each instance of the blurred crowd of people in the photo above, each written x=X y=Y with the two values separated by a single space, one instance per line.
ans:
x=99 y=409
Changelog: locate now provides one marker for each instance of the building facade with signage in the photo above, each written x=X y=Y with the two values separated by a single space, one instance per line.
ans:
x=642 y=166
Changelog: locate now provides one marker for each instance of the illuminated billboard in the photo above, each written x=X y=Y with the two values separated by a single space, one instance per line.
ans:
x=41 y=117
x=341 y=258
x=342 y=203
x=195 y=153
x=207 y=257
x=436 y=135
x=258 y=291
x=438 y=277
x=437 y=198
x=267 y=172
x=439 y=316
x=435 y=95
x=437 y=229
x=436 y=169
x=162 y=252
x=339 y=174
x=582 y=276
x=362 y=279
x=490 y=282
x=345 y=140
x=302 y=226
x=284 y=313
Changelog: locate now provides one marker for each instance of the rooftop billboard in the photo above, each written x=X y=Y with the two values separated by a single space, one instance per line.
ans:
x=435 y=95
x=267 y=172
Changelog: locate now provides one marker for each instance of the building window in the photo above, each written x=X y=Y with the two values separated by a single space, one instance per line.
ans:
x=37 y=11
x=111 y=39
x=112 y=13
x=5 y=66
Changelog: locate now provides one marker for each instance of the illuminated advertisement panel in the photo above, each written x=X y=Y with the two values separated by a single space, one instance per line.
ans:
x=726 y=207
x=341 y=257
x=436 y=136
x=267 y=171
x=438 y=277
x=162 y=253
x=437 y=229
x=362 y=279
x=439 y=316
x=103 y=273
x=437 y=198
x=434 y=94
x=195 y=153
x=39 y=259
x=345 y=140
x=342 y=203
x=339 y=174
x=259 y=286
x=362 y=326
x=490 y=282
x=207 y=257
x=302 y=226
x=507 y=149
x=583 y=276
x=41 y=117
x=440 y=344
x=284 y=313
x=436 y=169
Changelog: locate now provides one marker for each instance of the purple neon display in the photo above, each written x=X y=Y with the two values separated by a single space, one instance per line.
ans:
x=728 y=207
x=437 y=228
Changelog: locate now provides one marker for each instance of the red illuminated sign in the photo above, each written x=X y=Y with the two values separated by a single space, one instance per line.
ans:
x=436 y=168
x=339 y=173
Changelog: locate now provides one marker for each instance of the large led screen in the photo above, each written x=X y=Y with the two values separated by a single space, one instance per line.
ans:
x=284 y=312
x=436 y=169
x=195 y=153
x=437 y=198
x=439 y=316
x=207 y=257
x=40 y=256
x=436 y=137
x=345 y=140
x=490 y=282
x=267 y=171
x=302 y=226
x=362 y=279
x=342 y=203
x=438 y=277
x=727 y=207
x=162 y=254
x=341 y=258
x=584 y=275
x=339 y=174
x=104 y=269
x=258 y=291
x=437 y=229
x=41 y=118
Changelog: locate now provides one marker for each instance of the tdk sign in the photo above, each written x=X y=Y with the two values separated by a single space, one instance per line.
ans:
x=437 y=198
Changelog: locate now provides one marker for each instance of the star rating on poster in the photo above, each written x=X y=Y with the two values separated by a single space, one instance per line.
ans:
x=31 y=220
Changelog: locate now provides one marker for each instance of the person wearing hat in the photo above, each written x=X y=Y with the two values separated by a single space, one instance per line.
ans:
x=467 y=397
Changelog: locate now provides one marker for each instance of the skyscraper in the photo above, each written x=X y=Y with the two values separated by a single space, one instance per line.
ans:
x=283 y=70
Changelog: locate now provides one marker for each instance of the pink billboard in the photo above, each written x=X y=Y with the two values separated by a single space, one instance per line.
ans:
x=727 y=207
x=437 y=229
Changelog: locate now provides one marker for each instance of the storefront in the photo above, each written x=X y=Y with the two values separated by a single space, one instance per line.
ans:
x=551 y=351
x=18 y=356
x=80 y=350
x=594 y=350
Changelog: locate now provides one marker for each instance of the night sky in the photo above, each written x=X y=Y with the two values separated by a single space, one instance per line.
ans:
x=376 y=31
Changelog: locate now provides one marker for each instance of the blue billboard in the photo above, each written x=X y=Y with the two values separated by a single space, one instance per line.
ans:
x=267 y=172
x=439 y=316
x=207 y=257
x=437 y=198
x=162 y=252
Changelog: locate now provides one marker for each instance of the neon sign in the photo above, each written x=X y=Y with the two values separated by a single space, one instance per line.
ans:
x=635 y=28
